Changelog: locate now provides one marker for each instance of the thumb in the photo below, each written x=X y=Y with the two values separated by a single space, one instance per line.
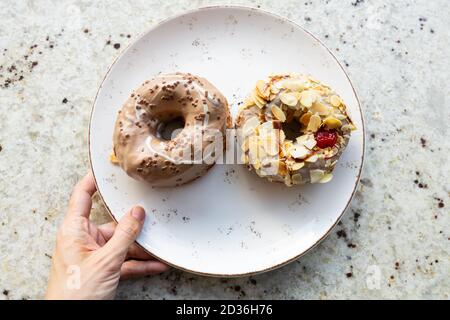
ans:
x=126 y=231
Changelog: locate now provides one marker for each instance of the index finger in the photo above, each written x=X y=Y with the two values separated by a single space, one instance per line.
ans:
x=80 y=202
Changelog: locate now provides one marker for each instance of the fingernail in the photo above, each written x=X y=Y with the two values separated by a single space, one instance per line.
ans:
x=138 y=213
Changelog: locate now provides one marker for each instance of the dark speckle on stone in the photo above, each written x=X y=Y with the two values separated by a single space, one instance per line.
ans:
x=367 y=182
x=349 y=274
x=65 y=100
x=342 y=234
x=116 y=45
x=86 y=30
x=356 y=215
x=423 y=142
x=237 y=288
x=253 y=281
x=422 y=185
x=357 y=2
x=5 y=292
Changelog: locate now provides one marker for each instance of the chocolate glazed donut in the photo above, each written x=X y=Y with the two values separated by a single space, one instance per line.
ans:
x=141 y=148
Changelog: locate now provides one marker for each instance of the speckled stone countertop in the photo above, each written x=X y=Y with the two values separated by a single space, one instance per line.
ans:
x=394 y=241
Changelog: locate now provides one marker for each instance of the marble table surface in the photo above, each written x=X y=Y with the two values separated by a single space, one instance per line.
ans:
x=394 y=241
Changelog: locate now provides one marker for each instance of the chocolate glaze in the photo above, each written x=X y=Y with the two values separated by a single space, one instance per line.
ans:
x=144 y=156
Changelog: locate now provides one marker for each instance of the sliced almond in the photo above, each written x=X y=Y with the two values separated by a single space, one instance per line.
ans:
x=316 y=175
x=335 y=101
x=265 y=128
x=263 y=89
x=260 y=85
x=332 y=152
x=314 y=123
x=299 y=151
x=307 y=98
x=244 y=145
x=249 y=102
x=312 y=159
x=260 y=102
x=303 y=138
x=278 y=113
x=340 y=116
x=274 y=89
x=320 y=90
x=326 y=178
x=293 y=84
x=297 y=166
x=253 y=148
x=282 y=136
x=332 y=123
x=270 y=146
x=297 y=94
x=262 y=154
x=250 y=125
x=310 y=143
x=257 y=164
x=288 y=99
x=321 y=109
x=304 y=119
x=286 y=147
x=312 y=79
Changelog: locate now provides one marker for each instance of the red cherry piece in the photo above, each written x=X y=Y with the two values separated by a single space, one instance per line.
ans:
x=326 y=138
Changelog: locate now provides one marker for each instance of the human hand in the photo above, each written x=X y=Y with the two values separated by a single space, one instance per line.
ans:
x=89 y=260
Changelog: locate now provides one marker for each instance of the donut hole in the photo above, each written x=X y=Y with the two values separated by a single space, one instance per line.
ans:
x=291 y=129
x=170 y=128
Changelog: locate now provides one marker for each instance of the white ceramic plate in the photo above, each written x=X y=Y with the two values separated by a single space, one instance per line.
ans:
x=229 y=222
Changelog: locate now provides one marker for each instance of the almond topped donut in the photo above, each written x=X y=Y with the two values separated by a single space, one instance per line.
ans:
x=144 y=146
x=293 y=129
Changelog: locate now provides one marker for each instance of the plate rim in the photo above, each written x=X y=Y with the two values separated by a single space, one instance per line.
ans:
x=279 y=17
